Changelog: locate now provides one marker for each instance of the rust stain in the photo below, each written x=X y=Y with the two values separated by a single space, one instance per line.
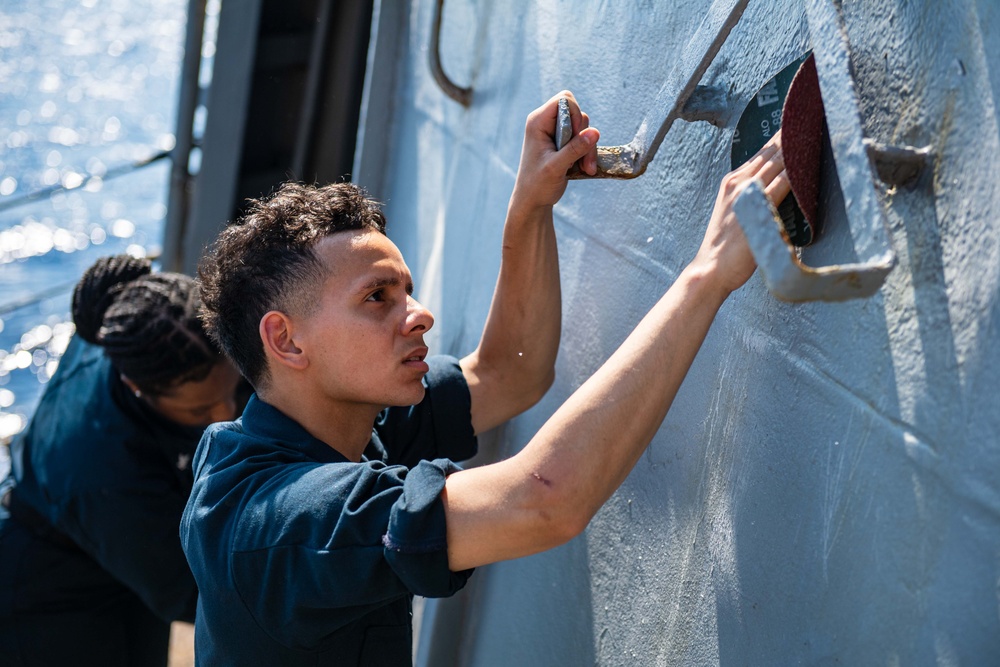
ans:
x=944 y=132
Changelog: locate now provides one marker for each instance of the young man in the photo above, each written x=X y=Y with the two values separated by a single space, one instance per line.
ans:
x=309 y=531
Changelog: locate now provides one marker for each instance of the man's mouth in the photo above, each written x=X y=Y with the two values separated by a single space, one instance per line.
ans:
x=418 y=355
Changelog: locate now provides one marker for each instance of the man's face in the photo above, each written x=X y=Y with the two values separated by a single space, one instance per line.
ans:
x=364 y=337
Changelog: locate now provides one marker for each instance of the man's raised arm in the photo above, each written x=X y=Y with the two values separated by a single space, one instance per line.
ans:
x=513 y=366
x=548 y=492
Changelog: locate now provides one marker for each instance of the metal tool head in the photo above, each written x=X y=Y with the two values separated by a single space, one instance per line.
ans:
x=564 y=124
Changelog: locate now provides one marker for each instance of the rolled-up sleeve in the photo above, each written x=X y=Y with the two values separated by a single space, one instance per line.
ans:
x=351 y=537
x=416 y=544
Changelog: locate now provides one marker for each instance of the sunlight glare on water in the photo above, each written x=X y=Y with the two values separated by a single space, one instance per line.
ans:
x=87 y=89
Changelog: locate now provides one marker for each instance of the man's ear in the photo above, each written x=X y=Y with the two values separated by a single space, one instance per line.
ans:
x=277 y=332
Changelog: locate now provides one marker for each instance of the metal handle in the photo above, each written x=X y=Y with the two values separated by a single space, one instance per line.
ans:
x=630 y=160
x=461 y=95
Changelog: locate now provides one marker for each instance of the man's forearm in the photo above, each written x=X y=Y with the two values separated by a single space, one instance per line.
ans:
x=550 y=490
x=514 y=363
x=592 y=442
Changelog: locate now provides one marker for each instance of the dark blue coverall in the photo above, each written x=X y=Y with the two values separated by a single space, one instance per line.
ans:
x=306 y=558
x=91 y=567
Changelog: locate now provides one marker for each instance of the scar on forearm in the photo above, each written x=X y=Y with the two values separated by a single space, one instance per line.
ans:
x=541 y=479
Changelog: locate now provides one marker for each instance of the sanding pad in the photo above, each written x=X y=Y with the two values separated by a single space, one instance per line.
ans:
x=804 y=130
x=791 y=102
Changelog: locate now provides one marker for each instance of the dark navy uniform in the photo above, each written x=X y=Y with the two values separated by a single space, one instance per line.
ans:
x=91 y=567
x=312 y=559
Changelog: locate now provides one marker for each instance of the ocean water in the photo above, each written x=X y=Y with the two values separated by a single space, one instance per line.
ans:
x=88 y=92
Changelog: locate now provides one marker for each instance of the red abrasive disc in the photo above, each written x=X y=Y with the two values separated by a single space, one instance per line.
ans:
x=803 y=133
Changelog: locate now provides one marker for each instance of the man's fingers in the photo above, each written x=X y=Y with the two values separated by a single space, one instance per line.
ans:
x=582 y=147
x=778 y=188
x=576 y=116
x=771 y=168
x=752 y=166
x=545 y=118
x=589 y=161
x=773 y=142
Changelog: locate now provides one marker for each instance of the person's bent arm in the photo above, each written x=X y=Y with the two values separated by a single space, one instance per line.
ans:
x=514 y=364
x=547 y=493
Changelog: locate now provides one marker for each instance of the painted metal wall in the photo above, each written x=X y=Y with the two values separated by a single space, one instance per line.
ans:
x=826 y=487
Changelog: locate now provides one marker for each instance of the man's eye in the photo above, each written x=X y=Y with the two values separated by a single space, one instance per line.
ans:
x=376 y=296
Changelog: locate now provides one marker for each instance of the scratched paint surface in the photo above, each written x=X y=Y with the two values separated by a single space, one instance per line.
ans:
x=826 y=487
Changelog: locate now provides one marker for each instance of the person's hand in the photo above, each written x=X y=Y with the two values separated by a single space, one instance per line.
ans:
x=724 y=252
x=541 y=175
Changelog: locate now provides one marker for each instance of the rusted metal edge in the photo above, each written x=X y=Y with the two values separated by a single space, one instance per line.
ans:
x=855 y=172
x=461 y=95
x=898 y=165
x=786 y=276
x=630 y=160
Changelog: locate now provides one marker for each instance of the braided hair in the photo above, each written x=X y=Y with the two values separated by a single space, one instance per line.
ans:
x=147 y=323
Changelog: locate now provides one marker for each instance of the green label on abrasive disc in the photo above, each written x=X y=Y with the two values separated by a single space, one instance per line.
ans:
x=760 y=120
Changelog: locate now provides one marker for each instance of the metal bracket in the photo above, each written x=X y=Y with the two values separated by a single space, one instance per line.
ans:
x=706 y=103
x=898 y=165
x=785 y=274
x=461 y=95
x=630 y=160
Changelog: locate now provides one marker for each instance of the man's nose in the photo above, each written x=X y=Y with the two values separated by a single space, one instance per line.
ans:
x=418 y=318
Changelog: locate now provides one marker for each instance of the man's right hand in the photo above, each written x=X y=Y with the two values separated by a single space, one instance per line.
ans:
x=724 y=252
x=541 y=175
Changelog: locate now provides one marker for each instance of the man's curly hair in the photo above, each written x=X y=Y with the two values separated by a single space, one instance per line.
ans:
x=266 y=260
